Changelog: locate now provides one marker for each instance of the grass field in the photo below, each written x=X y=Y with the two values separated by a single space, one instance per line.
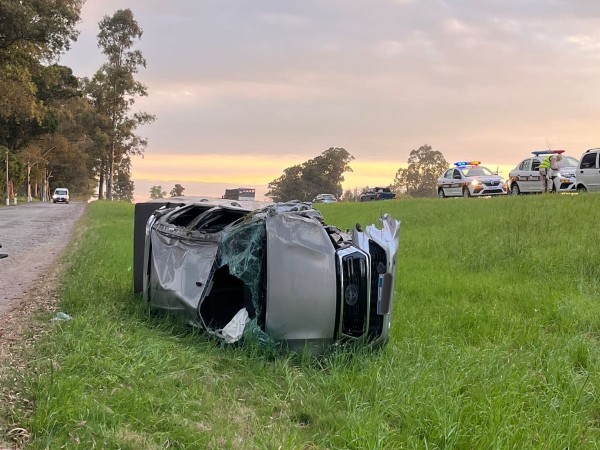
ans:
x=494 y=344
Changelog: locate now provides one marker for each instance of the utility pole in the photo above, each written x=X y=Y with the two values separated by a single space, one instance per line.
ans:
x=7 y=199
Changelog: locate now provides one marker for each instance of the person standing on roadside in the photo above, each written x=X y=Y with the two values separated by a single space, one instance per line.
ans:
x=548 y=169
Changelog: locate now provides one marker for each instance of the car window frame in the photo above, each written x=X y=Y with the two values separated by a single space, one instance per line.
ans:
x=525 y=165
x=581 y=166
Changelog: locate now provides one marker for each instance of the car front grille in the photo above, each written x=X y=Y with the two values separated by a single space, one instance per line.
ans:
x=492 y=183
x=378 y=265
x=354 y=295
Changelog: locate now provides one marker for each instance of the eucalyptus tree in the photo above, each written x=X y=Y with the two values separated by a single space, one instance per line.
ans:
x=31 y=32
x=419 y=179
x=57 y=146
x=157 y=192
x=123 y=187
x=177 y=190
x=322 y=174
x=113 y=90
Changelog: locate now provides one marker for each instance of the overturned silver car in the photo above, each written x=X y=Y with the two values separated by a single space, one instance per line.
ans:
x=279 y=271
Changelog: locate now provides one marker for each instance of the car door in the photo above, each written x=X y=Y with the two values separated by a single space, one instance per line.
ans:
x=529 y=175
x=457 y=183
x=589 y=173
x=445 y=182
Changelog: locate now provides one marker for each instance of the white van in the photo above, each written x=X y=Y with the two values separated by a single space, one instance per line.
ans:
x=61 y=195
x=588 y=172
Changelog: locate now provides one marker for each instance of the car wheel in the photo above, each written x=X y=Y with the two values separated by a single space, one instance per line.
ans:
x=466 y=192
x=581 y=189
x=441 y=193
x=514 y=189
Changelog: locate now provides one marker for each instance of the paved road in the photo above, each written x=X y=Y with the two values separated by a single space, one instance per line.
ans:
x=34 y=235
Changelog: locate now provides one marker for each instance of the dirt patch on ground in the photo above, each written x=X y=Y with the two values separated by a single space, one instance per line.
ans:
x=34 y=238
x=19 y=333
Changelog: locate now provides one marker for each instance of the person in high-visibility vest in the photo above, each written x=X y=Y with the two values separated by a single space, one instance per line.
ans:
x=548 y=169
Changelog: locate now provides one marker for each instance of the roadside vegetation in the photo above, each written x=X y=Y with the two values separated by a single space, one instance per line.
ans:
x=494 y=344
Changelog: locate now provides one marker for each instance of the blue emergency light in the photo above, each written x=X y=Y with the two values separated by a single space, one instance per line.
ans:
x=467 y=163
x=548 y=152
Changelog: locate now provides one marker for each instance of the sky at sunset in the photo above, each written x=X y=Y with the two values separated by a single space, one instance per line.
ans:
x=243 y=89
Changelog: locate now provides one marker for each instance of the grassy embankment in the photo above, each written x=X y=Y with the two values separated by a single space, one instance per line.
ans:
x=495 y=344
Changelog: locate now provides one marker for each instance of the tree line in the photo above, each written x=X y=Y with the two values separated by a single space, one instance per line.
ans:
x=325 y=174
x=59 y=130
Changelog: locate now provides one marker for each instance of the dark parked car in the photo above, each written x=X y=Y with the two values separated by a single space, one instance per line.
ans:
x=377 y=193
x=279 y=271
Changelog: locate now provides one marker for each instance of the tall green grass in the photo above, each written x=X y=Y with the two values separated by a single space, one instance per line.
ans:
x=494 y=344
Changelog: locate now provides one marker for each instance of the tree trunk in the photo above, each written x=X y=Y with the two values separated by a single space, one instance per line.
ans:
x=28 y=187
x=110 y=171
x=101 y=182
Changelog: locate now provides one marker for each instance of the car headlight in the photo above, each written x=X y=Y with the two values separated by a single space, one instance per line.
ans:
x=475 y=183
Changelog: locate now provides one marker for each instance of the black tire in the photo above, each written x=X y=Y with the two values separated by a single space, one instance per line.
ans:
x=514 y=189
x=581 y=189
x=441 y=193
x=466 y=193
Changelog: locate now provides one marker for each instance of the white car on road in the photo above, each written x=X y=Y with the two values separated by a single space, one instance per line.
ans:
x=469 y=179
x=61 y=195
x=525 y=177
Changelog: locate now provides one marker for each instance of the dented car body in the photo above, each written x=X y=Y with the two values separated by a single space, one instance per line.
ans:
x=279 y=271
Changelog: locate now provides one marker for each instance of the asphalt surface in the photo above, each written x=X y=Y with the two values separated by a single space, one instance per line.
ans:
x=33 y=235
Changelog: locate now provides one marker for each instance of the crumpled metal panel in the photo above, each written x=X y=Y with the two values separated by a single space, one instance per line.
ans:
x=301 y=280
x=181 y=270
x=388 y=237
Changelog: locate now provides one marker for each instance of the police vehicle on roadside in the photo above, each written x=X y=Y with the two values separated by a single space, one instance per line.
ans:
x=525 y=177
x=469 y=179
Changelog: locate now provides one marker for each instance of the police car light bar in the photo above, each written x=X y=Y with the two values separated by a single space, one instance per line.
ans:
x=548 y=152
x=467 y=163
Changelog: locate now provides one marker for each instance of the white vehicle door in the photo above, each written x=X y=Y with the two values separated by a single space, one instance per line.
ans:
x=456 y=183
x=589 y=173
x=534 y=179
x=446 y=182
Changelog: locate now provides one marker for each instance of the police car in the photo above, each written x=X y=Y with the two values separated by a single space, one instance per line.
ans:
x=469 y=179
x=525 y=178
